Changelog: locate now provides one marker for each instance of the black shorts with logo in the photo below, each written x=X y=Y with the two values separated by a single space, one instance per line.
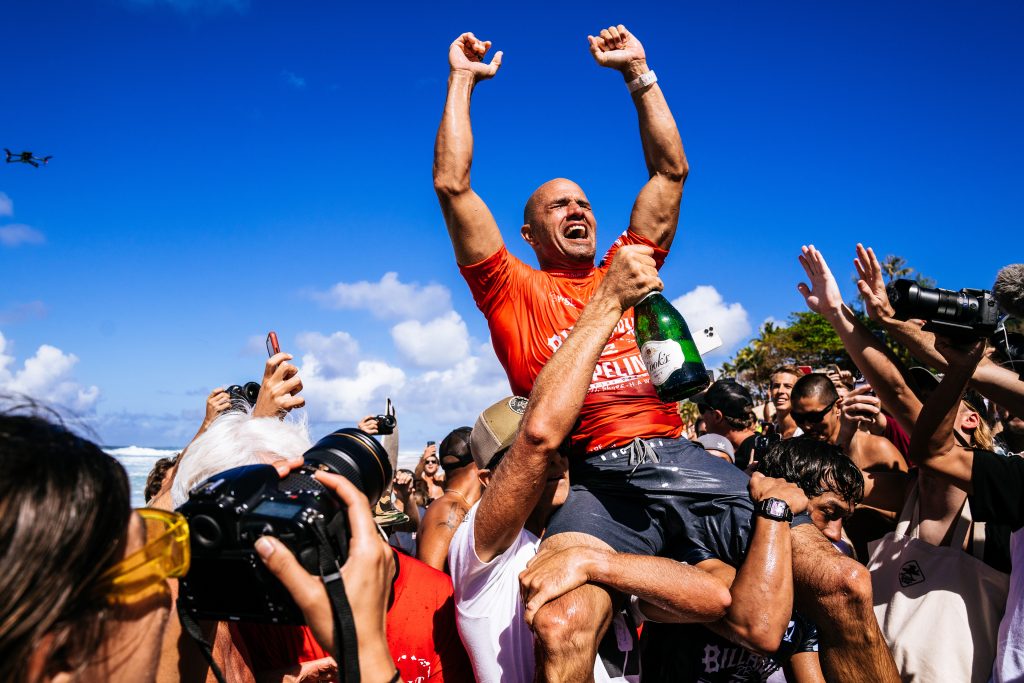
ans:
x=687 y=504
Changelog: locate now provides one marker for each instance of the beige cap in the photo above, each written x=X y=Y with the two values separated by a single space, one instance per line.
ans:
x=496 y=428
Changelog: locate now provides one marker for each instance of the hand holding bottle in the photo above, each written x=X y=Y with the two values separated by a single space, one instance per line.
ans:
x=632 y=276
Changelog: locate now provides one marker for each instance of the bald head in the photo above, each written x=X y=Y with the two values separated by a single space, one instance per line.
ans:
x=552 y=189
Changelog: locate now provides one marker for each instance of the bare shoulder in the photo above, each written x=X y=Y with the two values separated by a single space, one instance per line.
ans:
x=446 y=511
x=871 y=451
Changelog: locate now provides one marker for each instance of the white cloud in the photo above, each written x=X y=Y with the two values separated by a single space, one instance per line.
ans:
x=6 y=205
x=334 y=355
x=16 y=234
x=46 y=377
x=389 y=298
x=703 y=306
x=348 y=398
x=441 y=342
x=294 y=80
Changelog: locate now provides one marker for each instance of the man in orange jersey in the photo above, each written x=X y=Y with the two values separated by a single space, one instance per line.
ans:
x=635 y=483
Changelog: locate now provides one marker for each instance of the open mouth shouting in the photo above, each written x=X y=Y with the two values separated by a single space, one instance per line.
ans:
x=576 y=230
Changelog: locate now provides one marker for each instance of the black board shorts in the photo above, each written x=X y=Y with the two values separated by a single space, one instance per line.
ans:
x=688 y=505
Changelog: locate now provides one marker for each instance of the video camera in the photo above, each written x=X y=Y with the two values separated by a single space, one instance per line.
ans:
x=229 y=511
x=967 y=314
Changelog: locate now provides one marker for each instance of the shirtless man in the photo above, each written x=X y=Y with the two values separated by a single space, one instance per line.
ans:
x=623 y=428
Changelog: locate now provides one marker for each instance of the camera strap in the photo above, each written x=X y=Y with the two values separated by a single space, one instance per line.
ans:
x=346 y=647
x=192 y=628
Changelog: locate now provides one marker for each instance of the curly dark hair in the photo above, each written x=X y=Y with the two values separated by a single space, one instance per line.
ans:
x=815 y=466
x=64 y=515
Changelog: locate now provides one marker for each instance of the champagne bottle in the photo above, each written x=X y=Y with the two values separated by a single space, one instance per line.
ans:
x=667 y=349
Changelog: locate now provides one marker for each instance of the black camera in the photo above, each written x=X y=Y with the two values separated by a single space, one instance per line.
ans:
x=247 y=393
x=386 y=423
x=967 y=314
x=228 y=512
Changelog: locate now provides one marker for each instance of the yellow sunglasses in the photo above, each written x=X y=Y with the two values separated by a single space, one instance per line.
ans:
x=144 y=572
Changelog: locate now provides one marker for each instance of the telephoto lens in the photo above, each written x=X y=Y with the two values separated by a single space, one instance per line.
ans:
x=229 y=511
x=969 y=313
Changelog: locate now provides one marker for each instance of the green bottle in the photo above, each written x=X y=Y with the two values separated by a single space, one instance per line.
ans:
x=668 y=351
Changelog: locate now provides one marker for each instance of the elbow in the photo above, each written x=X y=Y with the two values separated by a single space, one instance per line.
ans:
x=765 y=641
x=448 y=184
x=674 y=171
x=719 y=602
x=539 y=433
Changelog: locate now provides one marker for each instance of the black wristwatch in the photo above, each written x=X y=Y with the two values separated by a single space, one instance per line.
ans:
x=774 y=509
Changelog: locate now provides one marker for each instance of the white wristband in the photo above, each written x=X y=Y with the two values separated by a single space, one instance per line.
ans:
x=647 y=78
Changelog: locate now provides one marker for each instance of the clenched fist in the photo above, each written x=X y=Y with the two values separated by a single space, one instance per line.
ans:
x=616 y=48
x=466 y=54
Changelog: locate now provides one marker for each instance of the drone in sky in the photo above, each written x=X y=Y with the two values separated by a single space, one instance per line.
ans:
x=26 y=158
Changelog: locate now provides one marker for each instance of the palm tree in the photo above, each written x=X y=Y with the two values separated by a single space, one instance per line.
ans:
x=895 y=267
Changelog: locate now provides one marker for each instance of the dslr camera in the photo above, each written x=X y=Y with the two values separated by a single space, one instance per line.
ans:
x=386 y=422
x=967 y=314
x=228 y=512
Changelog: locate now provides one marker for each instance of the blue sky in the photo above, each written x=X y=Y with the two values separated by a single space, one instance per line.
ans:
x=222 y=168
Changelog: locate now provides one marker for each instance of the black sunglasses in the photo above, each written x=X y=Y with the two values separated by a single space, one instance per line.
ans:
x=430 y=461
x=814 y=416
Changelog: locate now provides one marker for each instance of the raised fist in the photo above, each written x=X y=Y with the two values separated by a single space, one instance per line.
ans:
x=616 y=48
x=467 y=54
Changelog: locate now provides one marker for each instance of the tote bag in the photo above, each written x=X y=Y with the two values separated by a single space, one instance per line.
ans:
x=938 y=606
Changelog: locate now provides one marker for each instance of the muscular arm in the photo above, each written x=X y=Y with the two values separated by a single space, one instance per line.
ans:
x=472 y=228
x=762 y=590
x=555 y=403
x=439 y=524
x=656 y=211
x=669 y=591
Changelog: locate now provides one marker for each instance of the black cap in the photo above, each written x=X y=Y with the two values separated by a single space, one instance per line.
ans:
x=454 y=450
x=728 y=396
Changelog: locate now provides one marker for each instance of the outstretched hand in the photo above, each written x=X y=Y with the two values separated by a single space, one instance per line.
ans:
x=823 y=295
x=279 y=392
x=632 y=275
x=616 y=48
x=467 y=54
x=872 y=285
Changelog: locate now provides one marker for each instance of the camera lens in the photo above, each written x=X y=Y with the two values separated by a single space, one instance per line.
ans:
x=356 y=456
x=251 y=391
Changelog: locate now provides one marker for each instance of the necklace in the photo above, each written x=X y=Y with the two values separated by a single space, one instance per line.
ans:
x=459 y=494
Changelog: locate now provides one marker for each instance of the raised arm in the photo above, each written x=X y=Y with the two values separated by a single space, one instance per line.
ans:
x=869 y=354
x=994 y=382
x=472 y=228
x=555 y=403
x=656 y=211
x=933 y=444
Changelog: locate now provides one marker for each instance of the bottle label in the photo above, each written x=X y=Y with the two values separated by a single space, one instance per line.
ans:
x=662 y=358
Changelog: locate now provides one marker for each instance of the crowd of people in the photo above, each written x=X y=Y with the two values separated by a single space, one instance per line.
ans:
x=863 y=527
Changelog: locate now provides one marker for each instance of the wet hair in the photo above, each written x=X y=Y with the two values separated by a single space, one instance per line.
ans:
x=815 y=466
x=64 y=516
x=155 y=480
x=815 y=385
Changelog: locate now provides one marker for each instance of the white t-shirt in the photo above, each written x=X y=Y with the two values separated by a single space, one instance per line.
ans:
x=1009 y=664
x=489 y=610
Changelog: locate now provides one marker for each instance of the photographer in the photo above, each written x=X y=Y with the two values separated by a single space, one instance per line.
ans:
x=75 y=603
x=994 y=484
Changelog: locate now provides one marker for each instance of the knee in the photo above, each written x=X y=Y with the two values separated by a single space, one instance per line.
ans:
x=561 y=626
x=849 y=589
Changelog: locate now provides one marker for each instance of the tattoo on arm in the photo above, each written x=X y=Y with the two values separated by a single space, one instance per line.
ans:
x=455 y=516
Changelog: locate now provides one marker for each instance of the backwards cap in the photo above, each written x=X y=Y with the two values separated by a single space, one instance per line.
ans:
x=496 y=429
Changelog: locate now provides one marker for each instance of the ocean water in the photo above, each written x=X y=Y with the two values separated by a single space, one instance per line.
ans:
x=139 y=461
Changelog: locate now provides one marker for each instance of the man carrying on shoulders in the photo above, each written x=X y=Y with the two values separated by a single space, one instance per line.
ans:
x=527 y=478
x=625 y=446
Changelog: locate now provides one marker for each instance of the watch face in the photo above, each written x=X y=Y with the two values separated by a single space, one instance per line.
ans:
x=777 y=508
